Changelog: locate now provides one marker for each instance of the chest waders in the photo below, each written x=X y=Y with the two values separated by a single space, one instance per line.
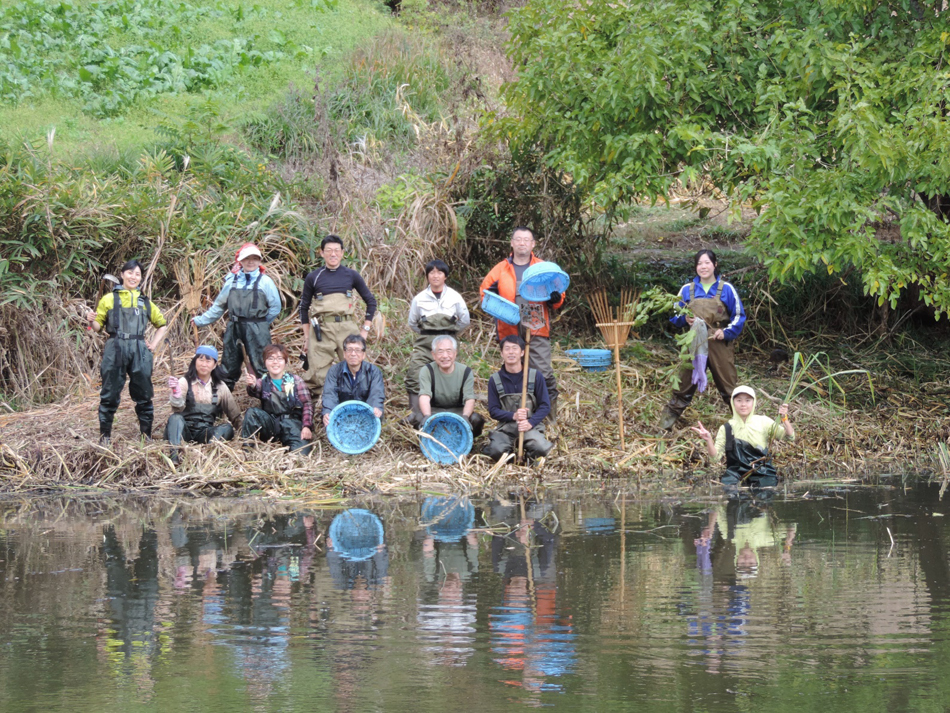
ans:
x=335 y=315
x=458 y=401
x=432 y=326
x=279 y=417
x=722 y=354
x=247 y=325
x=195 y=423
x=504 y=438
x=125 y=354
x=746 y=464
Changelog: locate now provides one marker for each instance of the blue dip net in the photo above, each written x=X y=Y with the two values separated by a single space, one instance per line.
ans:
x=448 y=519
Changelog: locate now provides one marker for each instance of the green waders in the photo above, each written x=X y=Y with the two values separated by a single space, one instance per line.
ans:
x=247 y=315
x=504 y=439
x=722 y=356
x=335 y=317
x=432 y=326
x=125 y=353
x=280 y=418
x=195 y=424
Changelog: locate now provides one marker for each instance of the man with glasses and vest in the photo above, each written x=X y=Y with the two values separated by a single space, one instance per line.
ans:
x=446 y=385
x=328 y=312
x=504 y=405
x=252 y=302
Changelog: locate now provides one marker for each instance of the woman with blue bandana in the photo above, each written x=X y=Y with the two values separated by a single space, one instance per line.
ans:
x=198 y=399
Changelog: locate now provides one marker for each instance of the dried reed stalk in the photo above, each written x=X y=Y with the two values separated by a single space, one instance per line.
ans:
x=190 y=272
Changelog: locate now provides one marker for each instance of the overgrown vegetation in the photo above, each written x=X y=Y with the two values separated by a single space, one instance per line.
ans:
x=383 y=140
x=829 y=117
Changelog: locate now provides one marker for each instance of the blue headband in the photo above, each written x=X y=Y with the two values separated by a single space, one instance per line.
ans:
x=208 y=351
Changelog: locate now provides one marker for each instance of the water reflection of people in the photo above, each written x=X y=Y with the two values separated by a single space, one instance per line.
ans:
x=449 y=561
x=528 y=633
x=258 y=601
x=725 y=567
x=132 y=594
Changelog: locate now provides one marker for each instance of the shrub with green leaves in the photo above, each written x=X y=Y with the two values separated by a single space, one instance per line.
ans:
x=830 y=116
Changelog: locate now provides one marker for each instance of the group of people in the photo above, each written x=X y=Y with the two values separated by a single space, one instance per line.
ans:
x=335 y=368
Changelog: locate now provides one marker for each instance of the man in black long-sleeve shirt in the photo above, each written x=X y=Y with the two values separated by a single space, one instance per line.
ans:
x=328 y=297
x=504 y=405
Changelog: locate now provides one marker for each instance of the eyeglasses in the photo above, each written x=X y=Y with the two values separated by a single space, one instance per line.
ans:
x=354 y=350
x=275 y=357
x=442 y=352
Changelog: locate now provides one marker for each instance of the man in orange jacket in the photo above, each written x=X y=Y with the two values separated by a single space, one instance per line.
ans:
x=504 y=279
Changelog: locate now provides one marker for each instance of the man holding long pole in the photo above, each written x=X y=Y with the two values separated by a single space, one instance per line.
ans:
x=505 y=279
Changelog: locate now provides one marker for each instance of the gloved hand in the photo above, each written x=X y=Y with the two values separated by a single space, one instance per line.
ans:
x=554 y=299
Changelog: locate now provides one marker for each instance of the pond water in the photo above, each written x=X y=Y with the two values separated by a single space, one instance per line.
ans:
x=837 y=601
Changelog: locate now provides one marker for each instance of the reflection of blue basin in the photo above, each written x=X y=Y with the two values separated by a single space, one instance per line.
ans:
x=356 y=534
x=600 y=524
x=448 y=519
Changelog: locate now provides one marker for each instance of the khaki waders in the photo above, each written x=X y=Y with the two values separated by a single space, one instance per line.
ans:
x=722 y=355
x=335 y=317
x=432 y=326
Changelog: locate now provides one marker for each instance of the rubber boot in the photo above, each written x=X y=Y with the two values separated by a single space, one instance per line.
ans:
x=668 y=418
x=552 y=416
x=415 y=417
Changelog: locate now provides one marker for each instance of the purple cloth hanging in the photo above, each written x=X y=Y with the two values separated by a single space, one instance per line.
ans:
x=699 y=372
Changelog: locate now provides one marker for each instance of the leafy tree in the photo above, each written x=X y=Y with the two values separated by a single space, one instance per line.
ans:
x=830 y=116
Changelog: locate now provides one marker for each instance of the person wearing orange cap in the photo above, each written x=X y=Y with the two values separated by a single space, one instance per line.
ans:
x=252 y=302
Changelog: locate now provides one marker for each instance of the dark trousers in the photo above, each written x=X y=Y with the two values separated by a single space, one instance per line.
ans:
x=257 y=422
x=254 y=336
x=177 y=431
x=722 y=364
x=123 y=357
x=504 y=439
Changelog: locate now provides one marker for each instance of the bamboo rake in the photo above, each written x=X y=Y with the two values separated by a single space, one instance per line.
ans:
x=614 y=325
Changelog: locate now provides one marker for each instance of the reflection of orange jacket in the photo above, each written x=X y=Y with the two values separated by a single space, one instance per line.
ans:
x=503 y=275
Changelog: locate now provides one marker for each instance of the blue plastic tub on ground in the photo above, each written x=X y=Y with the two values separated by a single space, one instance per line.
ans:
x=452 y=431
x=501 y=309
x=353 y=428
x=541 y=279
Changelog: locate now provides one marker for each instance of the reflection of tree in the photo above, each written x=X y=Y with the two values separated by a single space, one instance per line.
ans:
x=129 y=644
x=527 y=633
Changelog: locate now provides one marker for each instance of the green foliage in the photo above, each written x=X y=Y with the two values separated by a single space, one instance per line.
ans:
x=76 y=224
x=114 y=53
x=389 y=84
x=829 y=116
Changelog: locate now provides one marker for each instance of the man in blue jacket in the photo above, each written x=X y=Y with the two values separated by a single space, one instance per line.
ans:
x=353 y=379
